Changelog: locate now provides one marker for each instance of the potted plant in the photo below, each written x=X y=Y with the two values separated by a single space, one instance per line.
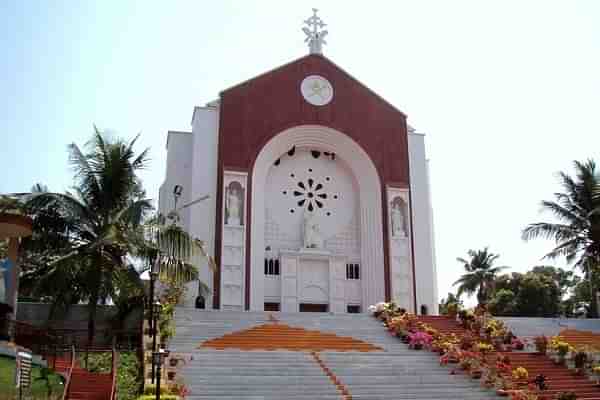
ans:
x=465 y=364
x=520 y=376
x=579 y=359
x=467 y=341
x=377 y=309
x=484 y=348
x=540 y=382
x=503 y=386
x=517 y=344
x=503 y=364
x=452 y=310
x=541 y=344
x=419 y=339
x=476 y=373
x=509 y=337
x=403 y=335
x=475 y=369
x=566 y=396
x=490 y=376
x=596 y=374
x=562 y=349
x=465 y=317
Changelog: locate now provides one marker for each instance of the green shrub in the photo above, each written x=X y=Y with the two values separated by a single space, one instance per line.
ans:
x=566 y=396
x=129 y=377
x=151 y=389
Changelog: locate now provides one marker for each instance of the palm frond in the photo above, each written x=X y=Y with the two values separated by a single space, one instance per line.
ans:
x=548 y=230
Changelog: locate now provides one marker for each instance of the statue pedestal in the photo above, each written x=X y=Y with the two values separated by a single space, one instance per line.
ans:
x=315 y=252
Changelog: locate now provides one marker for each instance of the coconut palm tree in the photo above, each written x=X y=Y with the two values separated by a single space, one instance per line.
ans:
x=97 y=218
x=576 y=230
x=87 y=243
x=480 y=274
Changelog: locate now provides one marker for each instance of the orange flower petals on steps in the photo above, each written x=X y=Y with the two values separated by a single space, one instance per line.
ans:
x=278 y=336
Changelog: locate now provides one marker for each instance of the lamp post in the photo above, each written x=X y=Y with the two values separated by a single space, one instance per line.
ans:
x=158 y=358
x=156 y=308
x=153 y=277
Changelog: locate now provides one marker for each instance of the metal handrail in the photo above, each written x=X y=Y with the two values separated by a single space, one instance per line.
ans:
x=115 y=361
x=70 y=373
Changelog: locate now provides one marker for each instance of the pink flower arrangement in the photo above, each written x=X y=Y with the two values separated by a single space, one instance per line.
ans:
x=517 y=344
x=419 y=339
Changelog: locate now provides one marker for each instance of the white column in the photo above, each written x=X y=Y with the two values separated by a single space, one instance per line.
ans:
x=401 y=269
x=233 y=243
x=289 y=282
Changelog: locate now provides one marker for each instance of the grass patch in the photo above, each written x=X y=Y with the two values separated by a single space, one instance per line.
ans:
x=39 y=388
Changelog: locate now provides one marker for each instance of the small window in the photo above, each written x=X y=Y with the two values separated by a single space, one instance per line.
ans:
x=271 y=266
x=352 y=271
x=353 y=309
x=424 y=310
x=271 y=306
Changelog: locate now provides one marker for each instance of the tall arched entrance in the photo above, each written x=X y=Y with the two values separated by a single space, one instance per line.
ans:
x=315 y=176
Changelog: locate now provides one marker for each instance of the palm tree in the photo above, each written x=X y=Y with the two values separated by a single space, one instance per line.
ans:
x=480 y=274
x=577 y=229
x=86 y=244
x=97 y=219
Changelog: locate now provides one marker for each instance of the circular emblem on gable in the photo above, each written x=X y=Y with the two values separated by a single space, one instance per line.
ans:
x=316 y=90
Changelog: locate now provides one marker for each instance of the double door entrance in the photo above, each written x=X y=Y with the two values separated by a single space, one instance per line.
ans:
x=309 y=307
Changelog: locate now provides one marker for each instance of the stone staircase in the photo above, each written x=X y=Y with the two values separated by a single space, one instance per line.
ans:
x=558 y=377
x=385 y=370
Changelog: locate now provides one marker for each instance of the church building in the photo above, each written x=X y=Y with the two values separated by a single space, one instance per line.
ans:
x=309 y=190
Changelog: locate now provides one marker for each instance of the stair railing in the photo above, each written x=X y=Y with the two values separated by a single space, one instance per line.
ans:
x=69 y=375
x=115 y=366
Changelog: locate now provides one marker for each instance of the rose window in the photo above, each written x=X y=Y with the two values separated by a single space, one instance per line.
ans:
x=310 y=194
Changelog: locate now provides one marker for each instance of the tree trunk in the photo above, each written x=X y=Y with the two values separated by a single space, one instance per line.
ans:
x=481 y=294
x=593 y=303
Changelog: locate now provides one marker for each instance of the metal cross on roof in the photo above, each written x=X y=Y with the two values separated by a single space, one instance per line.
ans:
x=315 y=36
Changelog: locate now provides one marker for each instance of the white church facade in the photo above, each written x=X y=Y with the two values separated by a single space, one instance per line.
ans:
x=318 y=194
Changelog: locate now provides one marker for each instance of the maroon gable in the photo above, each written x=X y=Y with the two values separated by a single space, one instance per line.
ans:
x=255 y=111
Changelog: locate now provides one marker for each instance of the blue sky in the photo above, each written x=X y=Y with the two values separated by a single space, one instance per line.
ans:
x=508 y=92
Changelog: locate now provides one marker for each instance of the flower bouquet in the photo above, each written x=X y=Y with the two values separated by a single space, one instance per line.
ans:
x=520 y=376
x=419 y=339
x=561 y=347
x=484 y=348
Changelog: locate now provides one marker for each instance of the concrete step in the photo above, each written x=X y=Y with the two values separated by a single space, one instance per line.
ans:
x=395 y=372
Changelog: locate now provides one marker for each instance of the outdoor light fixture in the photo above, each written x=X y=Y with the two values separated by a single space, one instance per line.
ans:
x=177 y=190
x=158 y=357
x=155 y=309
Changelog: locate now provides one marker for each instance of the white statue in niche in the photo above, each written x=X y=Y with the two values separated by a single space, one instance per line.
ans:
x=234 y=205
x=398 y=228
x=312 y=232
